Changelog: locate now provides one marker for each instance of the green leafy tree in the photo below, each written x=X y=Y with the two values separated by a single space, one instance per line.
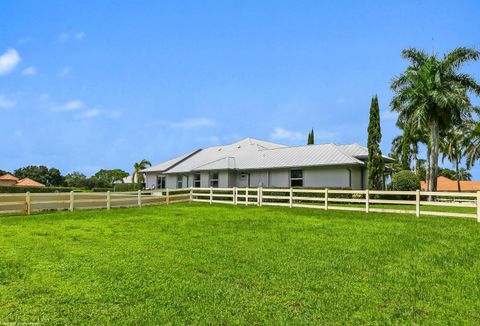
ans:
x=2 y=172
x=431 y=93
x=137 y=167
x=49 y=177
x=376 y=164
x=311 y=138
x=108 y=177
x=75 y=179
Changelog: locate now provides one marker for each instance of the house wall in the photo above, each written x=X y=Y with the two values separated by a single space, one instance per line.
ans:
x=344 y=177
x=7 y=182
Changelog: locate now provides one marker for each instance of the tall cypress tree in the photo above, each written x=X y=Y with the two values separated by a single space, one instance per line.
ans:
x=375 y=164
x=311 y=138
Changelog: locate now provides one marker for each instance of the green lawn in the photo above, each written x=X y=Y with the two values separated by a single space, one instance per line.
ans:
x=201 y=264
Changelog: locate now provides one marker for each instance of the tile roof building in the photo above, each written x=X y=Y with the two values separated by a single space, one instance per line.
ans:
x=10 y=180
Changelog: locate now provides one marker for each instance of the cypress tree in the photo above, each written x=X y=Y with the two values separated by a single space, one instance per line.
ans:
x=375 y=164
x=311 y=138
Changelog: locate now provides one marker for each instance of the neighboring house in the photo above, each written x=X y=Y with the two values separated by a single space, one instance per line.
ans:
x=127 y=179
x=446 y=184
x=254 y=163
x=10 y=180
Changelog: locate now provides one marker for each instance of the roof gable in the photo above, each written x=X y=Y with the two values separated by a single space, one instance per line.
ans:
x=8 y=176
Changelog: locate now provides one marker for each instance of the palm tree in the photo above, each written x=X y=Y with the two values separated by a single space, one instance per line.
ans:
x=432 y=93
x=464 y=174
x=137 y=167
x=451 y=146
x=472 y=143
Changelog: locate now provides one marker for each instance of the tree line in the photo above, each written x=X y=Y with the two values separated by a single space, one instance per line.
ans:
x=104 y=178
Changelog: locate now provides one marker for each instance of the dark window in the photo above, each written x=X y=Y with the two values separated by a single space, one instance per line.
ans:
x=179 y=181
x=214 y=179
x=161 y=182
x=296 y=178
x=196 y=180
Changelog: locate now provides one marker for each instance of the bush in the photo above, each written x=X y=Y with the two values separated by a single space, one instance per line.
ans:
x=126 y=187
x=405 y=181
x=16 y=189
x=102 y=189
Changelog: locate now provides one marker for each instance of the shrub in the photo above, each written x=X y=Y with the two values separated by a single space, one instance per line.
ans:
x=126 y=187
x=405 y=181
x=16 y=189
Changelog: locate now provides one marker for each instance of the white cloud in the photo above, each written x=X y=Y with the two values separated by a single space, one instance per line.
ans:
x=66 y=36
x=6 y=103
x=8 y=61
x=45 y=97
x=280 y=133
x=70 y=106
x=190 y=123
x=341 y=100
x=92 y=113
x=30 y=71
x=389 y=115
x=18 y=133
x=79 y=35
x=64 y=72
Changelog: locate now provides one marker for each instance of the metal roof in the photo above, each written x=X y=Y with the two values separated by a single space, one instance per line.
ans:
x=168 y=164
x=253 y=154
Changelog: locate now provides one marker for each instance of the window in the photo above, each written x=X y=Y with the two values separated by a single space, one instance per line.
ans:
x=179 y=181
x=214 y=179
x=196 y=180
x=161 y=182
x=296 y=178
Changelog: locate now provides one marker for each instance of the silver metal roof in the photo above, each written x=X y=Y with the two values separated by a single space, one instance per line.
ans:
x=167 y=164
x=253 y=154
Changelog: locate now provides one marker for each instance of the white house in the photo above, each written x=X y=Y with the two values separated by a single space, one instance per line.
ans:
x=252 y=162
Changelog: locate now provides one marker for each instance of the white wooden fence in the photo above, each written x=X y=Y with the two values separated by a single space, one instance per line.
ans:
x=404 y=202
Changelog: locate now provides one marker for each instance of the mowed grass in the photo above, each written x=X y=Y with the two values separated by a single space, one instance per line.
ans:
x=202 y=264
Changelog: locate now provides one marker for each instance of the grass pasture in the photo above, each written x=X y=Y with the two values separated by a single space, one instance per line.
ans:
x=219 y=264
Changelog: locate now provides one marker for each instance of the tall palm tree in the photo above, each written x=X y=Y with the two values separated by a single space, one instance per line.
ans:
x=464 y=174
x=432 y=93
x=137 y=167
x=451 y=146
x=472 y=143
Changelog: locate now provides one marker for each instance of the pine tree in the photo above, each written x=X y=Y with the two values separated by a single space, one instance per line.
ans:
x=376 y=165
x=311 y=138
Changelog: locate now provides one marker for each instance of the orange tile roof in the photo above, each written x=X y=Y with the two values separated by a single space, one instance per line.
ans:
x=8 y=176
x=446 y=184
x=27 y=182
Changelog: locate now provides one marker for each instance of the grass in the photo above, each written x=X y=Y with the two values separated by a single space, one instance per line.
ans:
x=201 y=264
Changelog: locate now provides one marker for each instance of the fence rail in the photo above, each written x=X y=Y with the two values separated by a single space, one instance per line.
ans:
x=404 y=202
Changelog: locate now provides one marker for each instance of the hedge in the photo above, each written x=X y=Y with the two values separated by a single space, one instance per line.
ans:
x=126 y=187
x=17 y=189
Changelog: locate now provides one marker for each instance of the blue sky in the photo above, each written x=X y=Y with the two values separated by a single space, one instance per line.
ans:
x=86 y=85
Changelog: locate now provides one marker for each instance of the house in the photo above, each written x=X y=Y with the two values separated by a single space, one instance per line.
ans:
x=10 y=180
x=254 y=163
x=446 y=184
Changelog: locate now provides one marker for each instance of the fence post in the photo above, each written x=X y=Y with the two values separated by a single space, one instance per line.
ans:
x=234 y=195
x=259 y=196
x=246 y=196
x=478 y=206
x=139 y=198
x=109 y=200
x=367 y=201
x=72 y=200
x=27 y=202
x=167 y=199
x=211 y=195
x=326 y=199
x=191 y=194
x=290 y=200
x=417 y=203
